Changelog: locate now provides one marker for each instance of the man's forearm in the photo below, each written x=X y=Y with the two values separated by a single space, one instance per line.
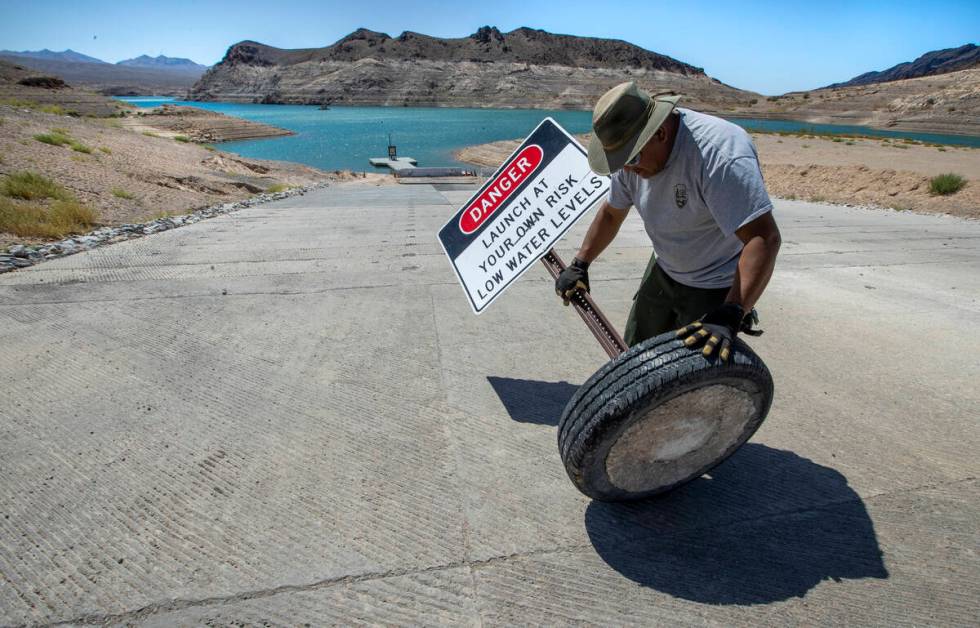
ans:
x=601 y=232
x=755 y=266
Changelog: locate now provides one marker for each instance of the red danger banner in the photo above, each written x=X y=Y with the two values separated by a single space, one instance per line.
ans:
x=515 y=172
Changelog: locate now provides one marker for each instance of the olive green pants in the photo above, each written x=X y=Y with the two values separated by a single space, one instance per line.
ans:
x=661 y=304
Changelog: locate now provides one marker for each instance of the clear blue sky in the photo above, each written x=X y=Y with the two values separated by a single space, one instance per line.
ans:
x=769 y=47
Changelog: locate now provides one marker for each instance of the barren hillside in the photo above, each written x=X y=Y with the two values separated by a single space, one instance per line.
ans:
x=522 y=68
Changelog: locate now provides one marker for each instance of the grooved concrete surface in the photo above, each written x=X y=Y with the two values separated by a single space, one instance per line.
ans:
x=289 y=415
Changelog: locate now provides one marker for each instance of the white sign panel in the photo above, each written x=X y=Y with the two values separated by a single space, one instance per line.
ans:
x=520 y=213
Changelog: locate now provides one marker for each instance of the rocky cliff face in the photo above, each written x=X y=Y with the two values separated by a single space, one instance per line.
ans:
x=929 y=64
x=522 y=68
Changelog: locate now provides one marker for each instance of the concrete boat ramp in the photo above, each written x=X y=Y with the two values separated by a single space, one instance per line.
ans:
x=288 y=415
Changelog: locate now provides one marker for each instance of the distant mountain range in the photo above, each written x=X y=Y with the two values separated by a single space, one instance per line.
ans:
x=143 y=75
x=68 y=55
x=162 y=62
x=929 y=64
x=142 y=61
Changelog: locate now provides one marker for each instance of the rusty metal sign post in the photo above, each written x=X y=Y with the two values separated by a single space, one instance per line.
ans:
x=610 y=340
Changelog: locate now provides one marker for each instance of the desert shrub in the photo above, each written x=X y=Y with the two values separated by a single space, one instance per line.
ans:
x=946 y=184
x=121 y=193
x=930 y=101
x=55 y=139
x=62 y=218
x=150 y=134
x=57 y=110
x=47 y=82
x=82 y=148
x=29 y=186
x=277 y=187
x=210 y=148
x=806 y=96
x=182 y=139
x=19 y=103
x=106 y=150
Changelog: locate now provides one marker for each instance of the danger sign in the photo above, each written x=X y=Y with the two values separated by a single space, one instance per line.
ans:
x=520 y=213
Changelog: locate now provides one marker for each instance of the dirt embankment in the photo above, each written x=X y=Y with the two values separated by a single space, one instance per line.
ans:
x=22 y=87
x=943 y=103
x=129 y=177
x=881 y=173
x=199 y=125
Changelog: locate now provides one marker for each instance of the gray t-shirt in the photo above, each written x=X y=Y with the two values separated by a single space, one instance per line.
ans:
x=710 y=186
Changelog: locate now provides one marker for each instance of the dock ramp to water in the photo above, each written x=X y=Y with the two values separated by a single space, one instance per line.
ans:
x=436 y=175
x=405 y=171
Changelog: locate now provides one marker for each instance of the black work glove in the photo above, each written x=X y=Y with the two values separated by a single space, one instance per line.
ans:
x=575 y=277
x=718 y=328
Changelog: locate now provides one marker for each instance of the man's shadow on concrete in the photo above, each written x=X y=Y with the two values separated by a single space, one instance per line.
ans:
x=766 y=525
x=530 y=401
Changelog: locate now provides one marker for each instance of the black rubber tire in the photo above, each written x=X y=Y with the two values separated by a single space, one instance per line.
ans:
x=628 y=387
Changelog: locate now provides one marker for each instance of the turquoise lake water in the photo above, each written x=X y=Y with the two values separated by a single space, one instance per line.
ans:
x=344 y=138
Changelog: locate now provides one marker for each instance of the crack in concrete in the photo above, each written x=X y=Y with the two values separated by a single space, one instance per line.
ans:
x=182 y=604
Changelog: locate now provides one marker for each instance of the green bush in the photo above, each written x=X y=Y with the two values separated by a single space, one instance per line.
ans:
x=29 y=186
x=62 y=218
x=106 y=150
x=121 y=193
x=946 y=184
x=277 y=187
x=182 y=139
x=55 y=139
x=82 y=148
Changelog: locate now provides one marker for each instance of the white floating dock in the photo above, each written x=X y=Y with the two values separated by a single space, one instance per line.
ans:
x=396 y=164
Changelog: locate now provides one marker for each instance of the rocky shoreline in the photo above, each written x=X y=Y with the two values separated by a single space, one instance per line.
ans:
x=199 y=125
x=23 y=256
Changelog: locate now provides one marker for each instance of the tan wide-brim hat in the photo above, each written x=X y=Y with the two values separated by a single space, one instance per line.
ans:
x=623 y=121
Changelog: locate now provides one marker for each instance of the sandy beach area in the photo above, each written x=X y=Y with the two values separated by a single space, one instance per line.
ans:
x=849 y=171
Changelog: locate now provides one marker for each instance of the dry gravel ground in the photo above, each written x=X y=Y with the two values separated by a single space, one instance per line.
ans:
x=161 y=175
x=871 y=172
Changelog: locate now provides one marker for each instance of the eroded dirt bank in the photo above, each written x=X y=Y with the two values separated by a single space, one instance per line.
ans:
x=881 y=173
